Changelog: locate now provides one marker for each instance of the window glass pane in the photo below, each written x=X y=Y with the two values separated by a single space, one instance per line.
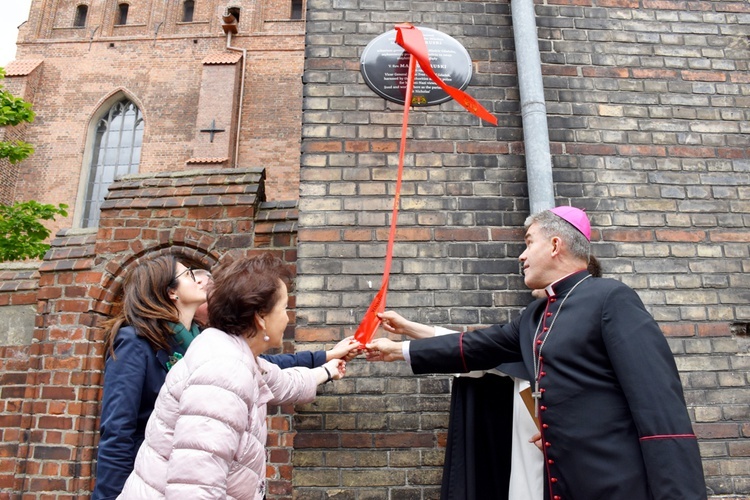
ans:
x=81 y=12
x=296 y=9
x=117 y=152
x=187 y=11
x=108 y=175
x=123 y=159
x=122 y=14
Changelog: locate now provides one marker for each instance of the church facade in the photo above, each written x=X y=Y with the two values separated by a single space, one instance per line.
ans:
x=208 y=128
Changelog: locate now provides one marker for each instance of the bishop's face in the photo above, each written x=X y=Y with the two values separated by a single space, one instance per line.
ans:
x=536 y=260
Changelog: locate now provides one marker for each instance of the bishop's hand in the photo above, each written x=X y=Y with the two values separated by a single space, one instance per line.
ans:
x=383 y=349
x=392 y=322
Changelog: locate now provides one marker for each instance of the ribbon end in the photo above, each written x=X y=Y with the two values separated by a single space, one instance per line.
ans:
x=371 y=322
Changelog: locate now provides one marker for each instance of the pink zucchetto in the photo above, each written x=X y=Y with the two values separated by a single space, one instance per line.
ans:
x=576 y=217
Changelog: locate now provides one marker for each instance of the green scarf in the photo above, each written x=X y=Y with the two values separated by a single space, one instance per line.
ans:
x=182 y=335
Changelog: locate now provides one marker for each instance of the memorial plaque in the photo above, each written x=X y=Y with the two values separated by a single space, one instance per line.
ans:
x=385 y=65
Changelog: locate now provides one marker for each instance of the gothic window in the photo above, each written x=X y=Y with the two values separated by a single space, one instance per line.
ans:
x=116 y=152
x=296 y=9
x=122 y=13
x=81 y=13
x=188 y=7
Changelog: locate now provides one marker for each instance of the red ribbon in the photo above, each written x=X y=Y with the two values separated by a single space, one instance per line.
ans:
x=371 y=322
x=412 y=40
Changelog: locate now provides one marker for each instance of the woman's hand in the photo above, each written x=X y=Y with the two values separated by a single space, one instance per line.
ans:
x=383 y=349
x=346 y=349
x=336 y=368
x=393 y=322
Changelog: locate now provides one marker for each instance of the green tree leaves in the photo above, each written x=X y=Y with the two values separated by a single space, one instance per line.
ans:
x=22 y=234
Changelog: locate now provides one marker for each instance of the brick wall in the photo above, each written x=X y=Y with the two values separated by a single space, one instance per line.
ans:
x=647 y=104
x=51 y=385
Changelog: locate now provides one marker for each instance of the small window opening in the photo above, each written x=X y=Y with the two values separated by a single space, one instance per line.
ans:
x=81 y=13
x=296 y=9
x=188 y=7
x=235 y=11
x=122 y=11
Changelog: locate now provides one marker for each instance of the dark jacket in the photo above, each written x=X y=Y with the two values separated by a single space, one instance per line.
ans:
x=307 y=359
x=132 y=381
x=614 y=420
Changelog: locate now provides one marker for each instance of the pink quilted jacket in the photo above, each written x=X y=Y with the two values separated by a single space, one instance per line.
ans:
x=206 y=437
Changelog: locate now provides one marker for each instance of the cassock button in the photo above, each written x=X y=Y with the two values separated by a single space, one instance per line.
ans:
x=557 y=497
x=552 y=299
x=538 y=342
x=549 y=314
x=553 y=479
x=550 y=461
x=542 y=390
x=543 y=408
x=542 y=374
x=547 y=444
x=545 y=426
x=545 y=329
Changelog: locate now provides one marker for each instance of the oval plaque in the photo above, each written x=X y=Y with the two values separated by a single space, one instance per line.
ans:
x=384 y=65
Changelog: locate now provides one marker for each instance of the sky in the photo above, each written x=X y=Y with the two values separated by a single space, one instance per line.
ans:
x=12 y=14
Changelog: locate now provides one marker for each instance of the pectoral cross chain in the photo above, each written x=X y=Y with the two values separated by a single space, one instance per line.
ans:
x=537 y=395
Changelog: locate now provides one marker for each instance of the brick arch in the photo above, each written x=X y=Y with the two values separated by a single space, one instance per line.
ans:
x=110 y=98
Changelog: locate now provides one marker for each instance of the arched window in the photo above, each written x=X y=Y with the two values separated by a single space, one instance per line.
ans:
x=296 y=10
x=116 y=152
x=188 y=7
x=122 y=13
x=81 y=12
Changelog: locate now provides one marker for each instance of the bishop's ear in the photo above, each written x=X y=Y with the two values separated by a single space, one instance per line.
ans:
x=557 y=245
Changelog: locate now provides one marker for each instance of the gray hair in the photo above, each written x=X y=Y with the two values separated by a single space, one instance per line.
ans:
x=551 y=225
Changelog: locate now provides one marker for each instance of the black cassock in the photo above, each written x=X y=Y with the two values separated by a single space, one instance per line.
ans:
x=614 y=421
x=478 y=451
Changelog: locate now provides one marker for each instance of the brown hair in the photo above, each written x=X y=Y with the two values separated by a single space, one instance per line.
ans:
x=146 y=305
x=594 y=268
x=244 y=288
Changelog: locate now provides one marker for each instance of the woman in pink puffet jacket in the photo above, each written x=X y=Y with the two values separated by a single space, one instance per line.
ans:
x=206 y=437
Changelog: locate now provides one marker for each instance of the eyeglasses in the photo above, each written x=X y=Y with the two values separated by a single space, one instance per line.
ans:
x=190 y=273
x=203 y=273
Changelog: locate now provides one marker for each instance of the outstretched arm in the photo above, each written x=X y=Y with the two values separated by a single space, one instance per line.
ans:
x=393 y=322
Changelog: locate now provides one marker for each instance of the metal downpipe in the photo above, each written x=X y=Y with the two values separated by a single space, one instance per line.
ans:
x=533 y=109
